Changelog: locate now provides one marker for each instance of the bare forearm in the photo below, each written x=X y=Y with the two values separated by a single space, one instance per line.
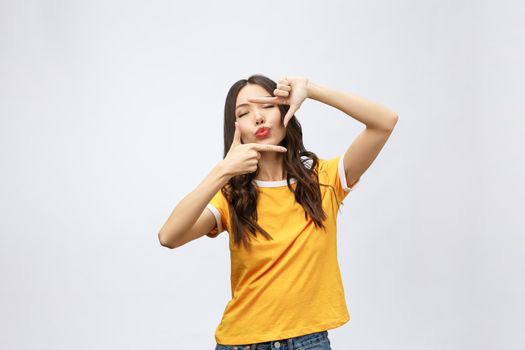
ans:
x=372 y=114
x=189 y=209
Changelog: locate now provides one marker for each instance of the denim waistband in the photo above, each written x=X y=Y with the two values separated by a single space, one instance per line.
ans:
x=298 y=342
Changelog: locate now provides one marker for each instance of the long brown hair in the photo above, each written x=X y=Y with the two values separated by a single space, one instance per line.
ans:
x=240 y=191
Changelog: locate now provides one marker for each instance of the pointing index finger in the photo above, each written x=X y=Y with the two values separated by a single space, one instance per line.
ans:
x=268 y=148
x=264 y=99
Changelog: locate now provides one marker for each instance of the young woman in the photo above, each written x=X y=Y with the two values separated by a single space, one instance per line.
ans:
x=279 y=203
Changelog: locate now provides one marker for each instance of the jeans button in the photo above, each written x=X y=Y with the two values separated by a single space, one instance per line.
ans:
x=277 y=344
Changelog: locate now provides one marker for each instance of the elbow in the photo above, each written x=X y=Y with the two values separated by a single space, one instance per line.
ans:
x=395 y=117
x=392 y=122
x=163 y=240
x=386 y=123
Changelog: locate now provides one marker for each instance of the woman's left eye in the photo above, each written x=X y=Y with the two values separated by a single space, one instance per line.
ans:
x=269 y=106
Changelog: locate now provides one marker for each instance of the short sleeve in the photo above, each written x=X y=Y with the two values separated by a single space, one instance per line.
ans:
x=333 y=171
x=219 y=208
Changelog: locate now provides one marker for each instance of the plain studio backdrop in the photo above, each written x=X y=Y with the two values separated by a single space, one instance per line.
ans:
x=112 y=111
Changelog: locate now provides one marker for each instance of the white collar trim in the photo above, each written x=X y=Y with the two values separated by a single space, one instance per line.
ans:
x=278 y=183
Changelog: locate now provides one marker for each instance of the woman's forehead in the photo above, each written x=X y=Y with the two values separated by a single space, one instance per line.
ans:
x=250 y=90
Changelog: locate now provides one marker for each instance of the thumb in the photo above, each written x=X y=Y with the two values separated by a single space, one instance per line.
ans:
x=236 y=135
x=289 y=115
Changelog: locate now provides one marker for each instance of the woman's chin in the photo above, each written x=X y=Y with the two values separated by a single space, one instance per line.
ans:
x=265 y=141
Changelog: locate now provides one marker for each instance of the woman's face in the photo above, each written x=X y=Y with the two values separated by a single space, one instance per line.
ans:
x=250 y=116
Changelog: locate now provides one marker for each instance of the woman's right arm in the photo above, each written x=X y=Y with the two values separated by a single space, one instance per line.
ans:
x=191 y=207
x=241 y=159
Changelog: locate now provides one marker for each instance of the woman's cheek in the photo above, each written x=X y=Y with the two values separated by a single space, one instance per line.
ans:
x=241 y=128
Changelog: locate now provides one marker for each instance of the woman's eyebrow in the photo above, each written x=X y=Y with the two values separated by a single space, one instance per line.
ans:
x=246 y=104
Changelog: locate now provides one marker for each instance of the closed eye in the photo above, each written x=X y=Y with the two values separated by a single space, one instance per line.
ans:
x=270 y=106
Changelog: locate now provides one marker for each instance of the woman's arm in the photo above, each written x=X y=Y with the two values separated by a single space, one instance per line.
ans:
x=190 y=208
x=379 y=121
x=373 y=115
x=241 y=159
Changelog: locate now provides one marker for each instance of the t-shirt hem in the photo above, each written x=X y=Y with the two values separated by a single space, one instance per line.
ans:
x=260 y=338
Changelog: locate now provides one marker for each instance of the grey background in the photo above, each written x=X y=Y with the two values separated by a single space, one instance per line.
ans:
x=111 y=112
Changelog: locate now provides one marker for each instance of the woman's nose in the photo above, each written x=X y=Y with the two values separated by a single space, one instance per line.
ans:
x=258 y=117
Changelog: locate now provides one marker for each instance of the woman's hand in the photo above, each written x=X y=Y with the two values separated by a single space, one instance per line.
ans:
x=291 y=91
x=244 y=158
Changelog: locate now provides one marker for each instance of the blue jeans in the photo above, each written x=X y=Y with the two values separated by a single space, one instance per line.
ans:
x=312 y=341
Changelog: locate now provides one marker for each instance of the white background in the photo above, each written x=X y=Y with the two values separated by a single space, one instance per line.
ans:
x=112 y=111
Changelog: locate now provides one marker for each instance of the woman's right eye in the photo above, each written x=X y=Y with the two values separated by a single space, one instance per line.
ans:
x=242 y=114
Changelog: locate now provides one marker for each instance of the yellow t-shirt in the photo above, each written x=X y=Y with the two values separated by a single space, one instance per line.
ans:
x=291 y=285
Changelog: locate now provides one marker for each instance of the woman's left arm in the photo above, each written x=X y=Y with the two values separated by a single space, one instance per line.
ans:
x=379 y=121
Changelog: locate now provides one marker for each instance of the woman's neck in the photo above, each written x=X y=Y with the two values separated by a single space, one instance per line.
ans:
x=270 y=167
